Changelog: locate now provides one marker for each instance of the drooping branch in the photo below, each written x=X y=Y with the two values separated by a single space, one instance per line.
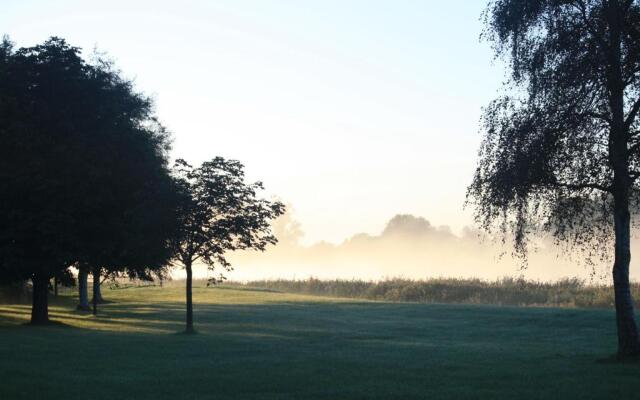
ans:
x=631 y=117
x=582 y=9
x=582 y=186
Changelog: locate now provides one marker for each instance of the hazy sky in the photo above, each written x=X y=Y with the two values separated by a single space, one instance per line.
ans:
x=352 y=111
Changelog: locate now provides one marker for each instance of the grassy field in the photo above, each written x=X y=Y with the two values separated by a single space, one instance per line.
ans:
x=266 y=345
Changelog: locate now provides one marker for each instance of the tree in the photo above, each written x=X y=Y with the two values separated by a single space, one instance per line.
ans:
x=127 y=226
x=218 y=212
x=83 y=288
x=37 y=175
x=83 y=169
x=287 y=229
x=66 y=279
x=561 y=153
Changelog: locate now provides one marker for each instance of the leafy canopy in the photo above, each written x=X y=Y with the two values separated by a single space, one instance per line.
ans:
x=83 y=166
x=547 y=160
x=220 y=212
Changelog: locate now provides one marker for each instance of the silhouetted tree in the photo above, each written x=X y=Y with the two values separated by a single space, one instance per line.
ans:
x=133 y=213
x=218 y=212
x=38 y=165
x=83 y=169
x=561 y=153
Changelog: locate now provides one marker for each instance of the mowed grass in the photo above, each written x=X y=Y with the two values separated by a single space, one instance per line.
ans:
x=255 y=344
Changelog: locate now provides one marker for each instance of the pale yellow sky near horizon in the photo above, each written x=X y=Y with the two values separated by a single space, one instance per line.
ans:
x=350 y=111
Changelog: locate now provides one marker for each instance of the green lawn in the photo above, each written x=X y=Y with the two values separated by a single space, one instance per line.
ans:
x=263 y=345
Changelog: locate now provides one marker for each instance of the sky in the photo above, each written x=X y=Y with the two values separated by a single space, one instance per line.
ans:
x=350 y=111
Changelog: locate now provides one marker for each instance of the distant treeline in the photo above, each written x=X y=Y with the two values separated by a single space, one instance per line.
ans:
x=569 y=292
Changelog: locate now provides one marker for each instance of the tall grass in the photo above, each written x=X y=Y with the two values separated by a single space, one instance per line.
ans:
x=568 y=292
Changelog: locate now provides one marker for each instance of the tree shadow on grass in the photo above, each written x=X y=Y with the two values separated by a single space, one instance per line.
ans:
x=245 y=289
x=360 y=324
x=16 y=320
x=615 y=359
x=283 y=320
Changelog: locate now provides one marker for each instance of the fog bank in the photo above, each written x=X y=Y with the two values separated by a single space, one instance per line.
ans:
x=408 y=247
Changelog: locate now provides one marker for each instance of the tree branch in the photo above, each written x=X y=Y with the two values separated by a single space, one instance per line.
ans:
x=600 y=116
x=634 y=147
x=582 y=8
x=585 y=186
x=632 y=114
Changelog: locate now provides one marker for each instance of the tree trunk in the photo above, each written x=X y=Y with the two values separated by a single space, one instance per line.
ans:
x=189 y=299
x=83 y=289
x=23 y=292
x=628 y=341
x=40 y=307
x=97 y=289
x=97 y=295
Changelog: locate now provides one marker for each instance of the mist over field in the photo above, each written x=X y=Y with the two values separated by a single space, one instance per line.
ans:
x=408 y=247
x=280 y=199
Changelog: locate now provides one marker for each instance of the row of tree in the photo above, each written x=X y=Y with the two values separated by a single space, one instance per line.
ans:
x=85 y=181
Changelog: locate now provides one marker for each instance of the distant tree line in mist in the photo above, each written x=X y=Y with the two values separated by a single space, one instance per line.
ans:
x=411 y=247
